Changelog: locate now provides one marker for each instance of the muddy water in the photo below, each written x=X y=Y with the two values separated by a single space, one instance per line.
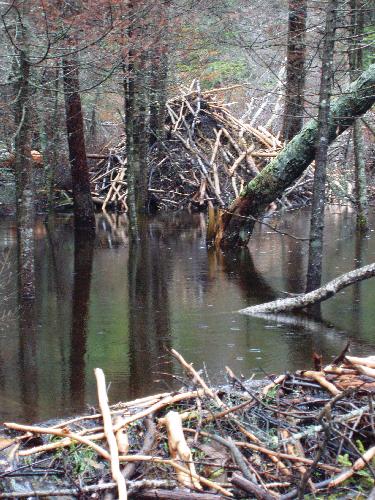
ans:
x=119 y=306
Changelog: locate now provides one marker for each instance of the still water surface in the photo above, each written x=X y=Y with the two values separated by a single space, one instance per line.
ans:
x=119 y=306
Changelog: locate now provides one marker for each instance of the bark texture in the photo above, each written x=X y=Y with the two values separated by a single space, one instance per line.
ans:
x=295 y=70
x=236 y=224
x=356 y=65
x=316 y=296
x=24 y=174
x=314 y=268
x=83 y=205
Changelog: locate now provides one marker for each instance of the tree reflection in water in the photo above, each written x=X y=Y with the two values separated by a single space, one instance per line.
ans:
x=149 y=323
x=83 y=259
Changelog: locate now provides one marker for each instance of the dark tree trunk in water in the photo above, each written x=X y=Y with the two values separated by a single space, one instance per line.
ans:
x=24 y=179
x=83 y=259
x=356 y=66
x=314 y=269
x=83 y=205
x=236 y=224
x=149 y=335
x=295 y=70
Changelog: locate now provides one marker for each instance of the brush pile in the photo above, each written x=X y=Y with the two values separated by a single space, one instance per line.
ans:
x=206 y=158
x=311 y=432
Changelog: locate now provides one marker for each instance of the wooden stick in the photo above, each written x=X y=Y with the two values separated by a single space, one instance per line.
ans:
x=180 y=450
x=286 y=456
x=357 y=466
x=158 y=460
x=278 y=380
x=167 y=400
x=108 y=431
x=369 y=361
x=197 y=378
x=320 y=378
x=73 y=436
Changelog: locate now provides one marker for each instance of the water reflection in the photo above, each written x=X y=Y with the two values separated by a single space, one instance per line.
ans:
x=27 y=359
x=116 y=304
x=149 y=325
x=83 y=260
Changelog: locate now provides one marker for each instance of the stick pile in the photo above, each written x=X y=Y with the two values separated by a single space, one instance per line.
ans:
x=302 y=433
x=207 y=157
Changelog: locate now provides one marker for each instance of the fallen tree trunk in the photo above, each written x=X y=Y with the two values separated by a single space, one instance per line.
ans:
x=236 y=224
x=318 y=295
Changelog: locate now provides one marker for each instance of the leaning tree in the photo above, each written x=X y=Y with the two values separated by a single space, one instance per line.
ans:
x=235 y=225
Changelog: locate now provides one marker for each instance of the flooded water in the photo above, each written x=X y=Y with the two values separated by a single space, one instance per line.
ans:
x=119 y=307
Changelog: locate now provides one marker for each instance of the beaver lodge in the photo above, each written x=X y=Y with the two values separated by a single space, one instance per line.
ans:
x=304 y=433
x=206 y=158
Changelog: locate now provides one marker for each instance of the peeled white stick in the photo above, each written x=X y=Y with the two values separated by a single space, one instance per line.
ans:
x=180 y=450
x=108 y=430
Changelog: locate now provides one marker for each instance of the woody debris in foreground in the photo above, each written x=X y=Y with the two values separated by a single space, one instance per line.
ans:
x=294 y=436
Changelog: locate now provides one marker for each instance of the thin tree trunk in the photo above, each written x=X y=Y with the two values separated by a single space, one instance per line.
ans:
x=314 y=268
x=236 y=224
x=295 y=73
x=51 y=155
x=356 y=66
x=135 y=124
x=24 y=174
x=83 y=205
x=131 y=173
x=159 y=75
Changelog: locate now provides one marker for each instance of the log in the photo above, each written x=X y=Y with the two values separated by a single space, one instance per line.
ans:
x=319 y=295
x=237 y=224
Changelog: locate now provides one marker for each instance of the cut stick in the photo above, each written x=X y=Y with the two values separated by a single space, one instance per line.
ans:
x=358 y=465
x=108 y=431
x=180 y=450
x=322 y=381
x=369 y=361
x=278 y=380
x=61 y=433
x=197 y=378
x=158 y=460
x=168 y=400
x=286 y=456
x=365 y=370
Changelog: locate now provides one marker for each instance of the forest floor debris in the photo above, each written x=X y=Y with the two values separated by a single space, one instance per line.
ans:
x=308 y=434
x=206 y=158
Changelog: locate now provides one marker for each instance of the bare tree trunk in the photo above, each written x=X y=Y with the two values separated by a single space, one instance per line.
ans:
x=159 y=75
x=83 y=205
x=314 y=268
x=24 y=172
x=51 y=154
x=236 y=224
x=136 y=113
x=356 y=66
x=295 y=72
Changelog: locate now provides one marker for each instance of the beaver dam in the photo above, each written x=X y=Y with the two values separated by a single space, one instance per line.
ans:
x=291 y=436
